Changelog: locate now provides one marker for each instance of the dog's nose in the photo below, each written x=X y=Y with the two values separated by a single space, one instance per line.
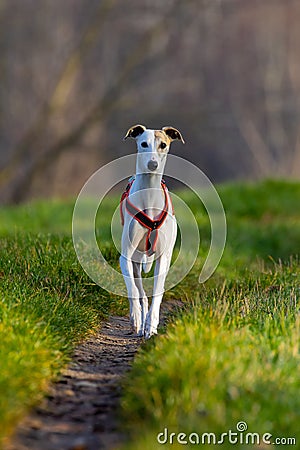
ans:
x=152 y=165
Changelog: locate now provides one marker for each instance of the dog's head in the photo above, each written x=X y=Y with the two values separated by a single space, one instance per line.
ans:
x=153 y=146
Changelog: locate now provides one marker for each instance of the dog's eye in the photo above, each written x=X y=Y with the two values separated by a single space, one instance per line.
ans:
x=144 y=144
x=163 y=145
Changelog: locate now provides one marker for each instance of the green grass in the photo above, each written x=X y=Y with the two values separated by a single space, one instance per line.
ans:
x=230 y=355
x=233 y=354
x=47 y=303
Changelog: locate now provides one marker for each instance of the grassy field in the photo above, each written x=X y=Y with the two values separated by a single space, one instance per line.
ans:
x=231 y=355
x=47 y=303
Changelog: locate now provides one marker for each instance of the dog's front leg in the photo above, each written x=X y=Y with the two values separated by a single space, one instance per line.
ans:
x=133 y=294
x=137 y=271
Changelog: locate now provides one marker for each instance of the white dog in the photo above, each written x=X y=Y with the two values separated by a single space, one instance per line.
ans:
x=150 y=226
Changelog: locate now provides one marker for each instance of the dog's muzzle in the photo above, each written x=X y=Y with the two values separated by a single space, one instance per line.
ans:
x=152 y=165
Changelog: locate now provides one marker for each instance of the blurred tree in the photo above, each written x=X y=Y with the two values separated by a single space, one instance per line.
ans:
x=26 y=156
x=75 y=75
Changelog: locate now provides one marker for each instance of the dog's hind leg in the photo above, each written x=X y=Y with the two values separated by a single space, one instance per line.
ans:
x=147 y=262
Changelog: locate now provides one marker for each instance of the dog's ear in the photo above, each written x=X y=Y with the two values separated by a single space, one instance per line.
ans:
x=134 y=131
x=173 y=134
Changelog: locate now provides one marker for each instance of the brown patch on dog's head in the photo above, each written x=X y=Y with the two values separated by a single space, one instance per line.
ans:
x=159 y=134
x=163 y=141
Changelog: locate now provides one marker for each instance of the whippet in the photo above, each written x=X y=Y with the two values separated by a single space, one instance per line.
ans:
x=149 y=225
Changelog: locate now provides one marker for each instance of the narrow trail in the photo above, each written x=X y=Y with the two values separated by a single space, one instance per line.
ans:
x=80 y=411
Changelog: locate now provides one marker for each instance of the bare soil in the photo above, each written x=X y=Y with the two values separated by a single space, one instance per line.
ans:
x=80 y=411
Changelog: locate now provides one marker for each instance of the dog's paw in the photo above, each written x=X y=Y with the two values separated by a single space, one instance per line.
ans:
x=152 y=321
x=149 y=331
x=136 y=322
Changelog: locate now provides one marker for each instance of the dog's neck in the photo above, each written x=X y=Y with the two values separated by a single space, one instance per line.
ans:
x=148 y=181
x=147 y=193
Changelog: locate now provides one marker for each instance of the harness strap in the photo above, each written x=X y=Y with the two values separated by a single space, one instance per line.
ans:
x=146 y=221
x=125 y=195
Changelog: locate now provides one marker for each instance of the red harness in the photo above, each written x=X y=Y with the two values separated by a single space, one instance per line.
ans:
x=146 y=221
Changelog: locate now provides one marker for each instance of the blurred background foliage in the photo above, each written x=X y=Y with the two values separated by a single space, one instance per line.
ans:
x=74 y=75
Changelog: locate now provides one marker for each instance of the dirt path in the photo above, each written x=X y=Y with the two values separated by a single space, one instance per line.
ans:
x=81 y=409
